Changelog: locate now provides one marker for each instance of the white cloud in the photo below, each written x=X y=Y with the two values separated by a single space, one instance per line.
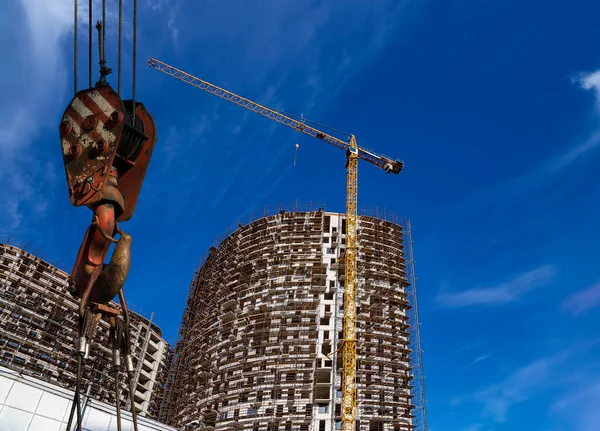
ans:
x=31 y=105
x=540 y=377
x=583 y=300
x=562 y=161
x=543 y=174
x=289 y=63
x=477 y=360
x=518 y=387
x=38 y=71
x=43 y=68
x=582 y=406
x=171 y=9
x=553 y=166
x=503 y=293
x=591 y=81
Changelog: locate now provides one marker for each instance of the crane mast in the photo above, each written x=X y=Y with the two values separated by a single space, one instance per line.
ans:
x=350 y=272
x=353 y=153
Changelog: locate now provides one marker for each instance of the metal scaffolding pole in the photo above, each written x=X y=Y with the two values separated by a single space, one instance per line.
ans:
x=416 y=359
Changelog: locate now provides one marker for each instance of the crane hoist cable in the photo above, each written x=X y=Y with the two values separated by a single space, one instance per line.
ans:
x=134 y=50
x=103 y=43
x=75 y=38
x=353 y=153
x=90 y=33
x=120 y=52
x=101 y=27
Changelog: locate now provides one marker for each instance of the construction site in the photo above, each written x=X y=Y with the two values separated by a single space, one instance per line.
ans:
x=38 y=326
x=260 y=339
x=301 y=319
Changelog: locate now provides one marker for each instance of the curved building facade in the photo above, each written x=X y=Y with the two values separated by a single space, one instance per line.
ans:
x=258 y=341
x=38 y=335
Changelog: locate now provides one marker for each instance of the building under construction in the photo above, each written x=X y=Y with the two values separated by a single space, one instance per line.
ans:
x=259 y=339
x=38 y=335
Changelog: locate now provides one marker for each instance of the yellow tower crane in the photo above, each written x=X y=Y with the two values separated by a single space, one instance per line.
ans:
x=353 y=153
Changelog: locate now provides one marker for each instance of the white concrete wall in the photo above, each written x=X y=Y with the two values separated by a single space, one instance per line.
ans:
x=28 y=404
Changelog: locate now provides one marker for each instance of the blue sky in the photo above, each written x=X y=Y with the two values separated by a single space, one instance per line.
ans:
x=495 y=109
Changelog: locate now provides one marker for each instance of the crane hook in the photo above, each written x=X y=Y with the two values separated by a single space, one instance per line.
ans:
x=296 y=153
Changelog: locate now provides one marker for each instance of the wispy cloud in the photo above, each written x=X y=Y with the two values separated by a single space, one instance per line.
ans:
x=540 y=376
x=583 y=300
x=42 y=70
x=544 y=173
x=497 y=399
x=590 y=81
x=582 y=406
x=559 y=163
x=36 y=81
x=38 y=69
x=296 y=74
x=171 y=9
x=503 y=293
x=552 y=167
x=477 y=360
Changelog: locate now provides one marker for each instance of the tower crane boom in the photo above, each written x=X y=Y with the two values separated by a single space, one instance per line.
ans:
x=353 y=153
x=386 y=163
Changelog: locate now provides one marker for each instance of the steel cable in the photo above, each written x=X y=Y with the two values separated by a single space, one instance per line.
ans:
x=134 y=52
x=132 y=400
x=90 y=37
x=116 y=364
x=305 y=120
x=75 y=46
x=120 y=46
x=104 y=31
x=78 y=390
x=117 y=395
x=70 y=422
x=76 y=402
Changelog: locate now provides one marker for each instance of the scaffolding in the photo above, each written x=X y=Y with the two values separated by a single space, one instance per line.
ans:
x=419 y=407
x=384 y=389
x=38 y=327
x=419 y=400
x=258 y=347
x=248 y=335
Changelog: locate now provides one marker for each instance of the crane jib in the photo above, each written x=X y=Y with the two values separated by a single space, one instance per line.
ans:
x=389 y=165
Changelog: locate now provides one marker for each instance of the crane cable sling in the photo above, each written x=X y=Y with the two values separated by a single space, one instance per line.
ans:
x=117 y=342
x=87 y=332
x=76 y=402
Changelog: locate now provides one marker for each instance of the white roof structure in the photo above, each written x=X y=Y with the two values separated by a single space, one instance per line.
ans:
x=29 y=404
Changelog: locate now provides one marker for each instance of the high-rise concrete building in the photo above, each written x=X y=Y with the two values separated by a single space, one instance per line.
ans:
x=38 y=335
x=259 y=342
